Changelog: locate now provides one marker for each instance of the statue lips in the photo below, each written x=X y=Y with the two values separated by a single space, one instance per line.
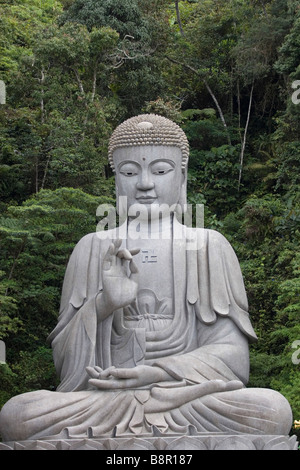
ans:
x=146 y=200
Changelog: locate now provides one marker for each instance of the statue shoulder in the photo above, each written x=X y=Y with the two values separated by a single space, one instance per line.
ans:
x=96 y=239
x=218 y=238
x=209 y=238
x=215 y=236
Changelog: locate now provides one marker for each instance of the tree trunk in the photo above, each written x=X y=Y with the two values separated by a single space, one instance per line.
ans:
x=245 y=137
x=11 y=272
x=42 y=105
x=239 y=109
x=94 y=84
x=178 y=17
x=80 y=85
x=36 y=175
x=189 y=67
x=92 y=98
x=219 y=110
x=46 y=169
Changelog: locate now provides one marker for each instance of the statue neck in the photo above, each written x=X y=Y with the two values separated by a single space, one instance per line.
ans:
x=156 y=228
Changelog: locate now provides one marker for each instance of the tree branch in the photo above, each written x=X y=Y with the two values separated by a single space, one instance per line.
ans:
x=42 y=104
x=245 y=136
x=192 y=69
x=78 y=80
x=178 y=18
x=94 y=84
x=14 y=266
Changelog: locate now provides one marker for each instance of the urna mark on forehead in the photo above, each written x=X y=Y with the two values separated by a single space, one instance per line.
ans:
x=148 y=129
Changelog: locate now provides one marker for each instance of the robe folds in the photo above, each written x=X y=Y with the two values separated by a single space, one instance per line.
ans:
x=204 y=348
x=208 y=286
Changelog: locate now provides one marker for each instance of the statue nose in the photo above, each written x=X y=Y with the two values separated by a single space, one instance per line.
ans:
x=145 y=183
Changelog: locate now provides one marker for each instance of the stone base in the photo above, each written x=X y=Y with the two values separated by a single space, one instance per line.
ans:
x=157 y=444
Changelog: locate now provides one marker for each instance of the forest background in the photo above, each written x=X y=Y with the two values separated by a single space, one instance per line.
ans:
x=225 y=70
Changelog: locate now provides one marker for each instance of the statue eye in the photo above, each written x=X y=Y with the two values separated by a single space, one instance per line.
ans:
x=128 y=170
x=128 y=173
x=162 y=168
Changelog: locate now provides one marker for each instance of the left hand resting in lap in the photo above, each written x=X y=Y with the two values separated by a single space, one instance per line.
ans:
x=128 y=378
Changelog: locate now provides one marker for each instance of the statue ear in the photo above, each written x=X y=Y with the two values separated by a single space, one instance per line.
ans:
x=117 y=197
x=183 y=198
x=121 y=205
x=118 y=202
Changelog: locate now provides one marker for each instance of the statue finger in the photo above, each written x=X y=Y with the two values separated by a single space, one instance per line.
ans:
x=133 y=267
x=124 y=254
x=108 y=258
x=234 y=385
x=106 y=265
x=101 y=384
x=135 y=251
x=117 y=243
x=92 y=372
x=109 y=384
x=126 y=373
x=104 y=374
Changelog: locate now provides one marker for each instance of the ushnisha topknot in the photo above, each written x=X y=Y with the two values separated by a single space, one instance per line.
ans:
x=148 y=129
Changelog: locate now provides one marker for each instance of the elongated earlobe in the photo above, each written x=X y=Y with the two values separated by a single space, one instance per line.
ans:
x=117 y=198
x=121 y=206
x=183 y=197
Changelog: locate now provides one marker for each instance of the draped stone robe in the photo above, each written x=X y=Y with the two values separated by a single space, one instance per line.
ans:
x=206 y=340
x=207 y=284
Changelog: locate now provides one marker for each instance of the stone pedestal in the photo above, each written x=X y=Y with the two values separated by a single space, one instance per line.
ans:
x=157 y=444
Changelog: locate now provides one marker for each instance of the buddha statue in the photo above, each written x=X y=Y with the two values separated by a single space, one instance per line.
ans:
x=153 y=332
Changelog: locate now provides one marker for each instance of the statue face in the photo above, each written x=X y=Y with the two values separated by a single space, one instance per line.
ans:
x=149 y=174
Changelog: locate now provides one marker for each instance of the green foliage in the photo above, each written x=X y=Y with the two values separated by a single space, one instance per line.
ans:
x=121 y=15
x=265 y=234
x=288 y=62
x=214 y=165
x=263 y=367
x=19 y=22
x=8 y=308
x=141 y=31
x=36 y=240
x=7 y=381
x=58 y=137
x=33 y=371
x=168 y=109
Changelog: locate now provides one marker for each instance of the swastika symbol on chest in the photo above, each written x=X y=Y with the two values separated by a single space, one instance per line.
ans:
x=149 y=256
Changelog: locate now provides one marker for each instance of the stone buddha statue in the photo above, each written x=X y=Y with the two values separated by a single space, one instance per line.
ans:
x=153 y=330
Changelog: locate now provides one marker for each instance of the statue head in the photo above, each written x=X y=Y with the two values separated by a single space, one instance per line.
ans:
x=149 y=155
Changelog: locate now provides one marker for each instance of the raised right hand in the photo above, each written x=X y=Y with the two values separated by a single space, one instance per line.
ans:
x=118 y=289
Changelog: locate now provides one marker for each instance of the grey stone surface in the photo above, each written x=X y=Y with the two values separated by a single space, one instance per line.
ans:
x=152 y=337
x=156 y=444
